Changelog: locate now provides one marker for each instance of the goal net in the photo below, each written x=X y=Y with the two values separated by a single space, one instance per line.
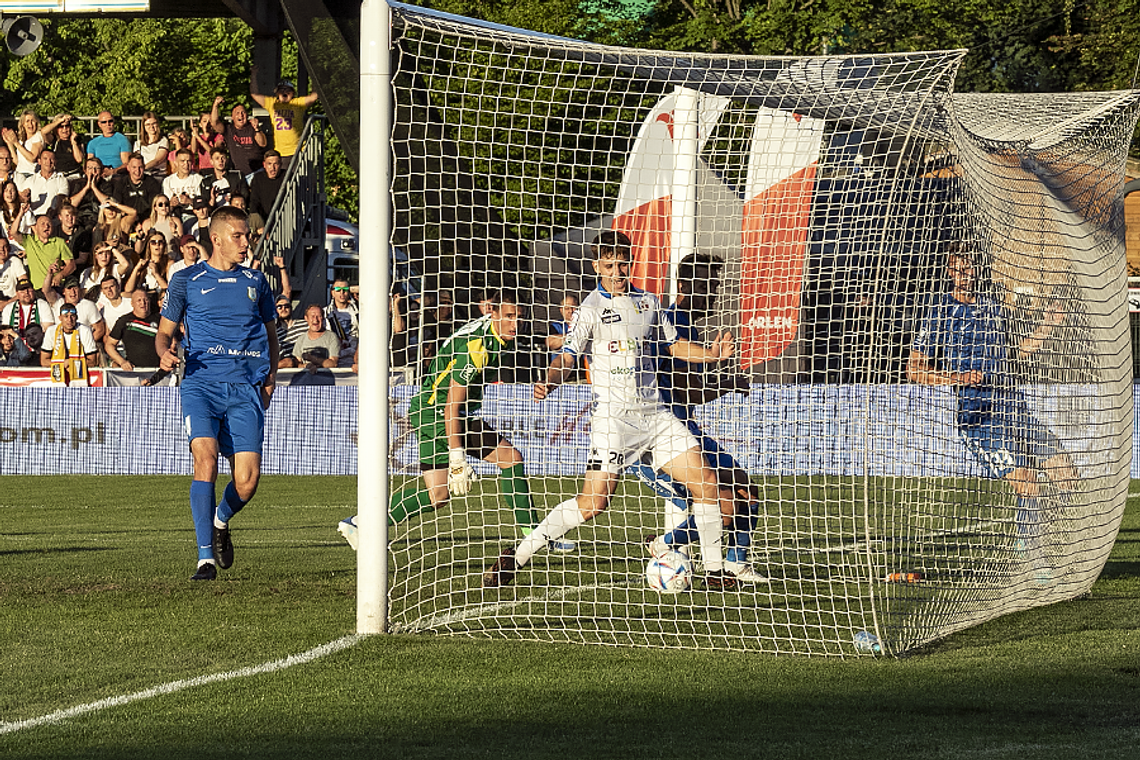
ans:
x=929 y=395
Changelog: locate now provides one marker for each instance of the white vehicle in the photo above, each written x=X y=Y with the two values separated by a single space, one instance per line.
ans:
x=342 y=244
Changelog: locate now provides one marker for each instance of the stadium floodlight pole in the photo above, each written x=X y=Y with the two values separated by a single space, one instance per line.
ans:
x=683 y=234
x=375 y=283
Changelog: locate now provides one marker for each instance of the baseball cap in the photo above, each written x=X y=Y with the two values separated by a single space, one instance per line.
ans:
x=201 y=203
x=23 y=284
x=186 y=238
x=71 y=282
x=282 y=299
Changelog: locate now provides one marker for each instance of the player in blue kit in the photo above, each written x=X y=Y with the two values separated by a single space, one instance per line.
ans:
x=226 y=313
x=964 y=342
x=684 y=386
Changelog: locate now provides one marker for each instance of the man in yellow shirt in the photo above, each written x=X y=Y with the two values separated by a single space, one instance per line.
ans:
x=287 y=114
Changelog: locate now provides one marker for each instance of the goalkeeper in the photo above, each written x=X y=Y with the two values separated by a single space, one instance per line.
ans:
x=684 y=386
x=443 y=414
x=962 y=342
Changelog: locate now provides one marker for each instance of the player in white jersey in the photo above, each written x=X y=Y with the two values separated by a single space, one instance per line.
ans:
x=620 y=327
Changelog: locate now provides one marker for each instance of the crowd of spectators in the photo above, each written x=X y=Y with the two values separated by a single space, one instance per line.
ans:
x=93 y=228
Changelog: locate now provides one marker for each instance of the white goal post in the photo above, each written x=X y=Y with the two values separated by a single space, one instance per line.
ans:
x=930 y=392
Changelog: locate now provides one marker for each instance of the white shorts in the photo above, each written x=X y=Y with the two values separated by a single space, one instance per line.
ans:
x=619 y=438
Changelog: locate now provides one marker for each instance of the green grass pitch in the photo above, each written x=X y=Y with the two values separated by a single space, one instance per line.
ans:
x=95 y=606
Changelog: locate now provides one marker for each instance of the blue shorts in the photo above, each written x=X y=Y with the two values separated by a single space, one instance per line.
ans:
x=230 y=413
x=1010 y=438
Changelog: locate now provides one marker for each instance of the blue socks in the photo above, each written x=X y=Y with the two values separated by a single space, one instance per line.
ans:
x=231 y=503
x=202 y=510
x=739 y=538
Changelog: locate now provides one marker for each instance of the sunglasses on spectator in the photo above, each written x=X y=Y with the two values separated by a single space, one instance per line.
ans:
x=106 y=121
x=161 y=205
x=158 y=242
x=341 y=289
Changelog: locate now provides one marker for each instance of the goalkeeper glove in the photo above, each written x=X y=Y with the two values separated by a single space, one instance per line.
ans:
x=459 y=473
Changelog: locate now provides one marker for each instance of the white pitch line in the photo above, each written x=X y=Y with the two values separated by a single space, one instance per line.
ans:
x=176 y=686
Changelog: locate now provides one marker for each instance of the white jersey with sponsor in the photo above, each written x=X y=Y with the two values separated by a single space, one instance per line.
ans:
x=620 y=335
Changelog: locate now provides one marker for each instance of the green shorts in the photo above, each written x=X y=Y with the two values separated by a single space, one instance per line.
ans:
x=479 y=440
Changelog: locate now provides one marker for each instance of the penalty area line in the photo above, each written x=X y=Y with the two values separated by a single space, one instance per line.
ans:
x=177 y=686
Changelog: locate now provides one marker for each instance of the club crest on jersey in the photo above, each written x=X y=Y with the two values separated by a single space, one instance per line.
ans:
x=609 y=316
x=252 y=293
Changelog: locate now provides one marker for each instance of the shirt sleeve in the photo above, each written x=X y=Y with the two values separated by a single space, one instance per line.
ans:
x=175 y=307
x=581 y=330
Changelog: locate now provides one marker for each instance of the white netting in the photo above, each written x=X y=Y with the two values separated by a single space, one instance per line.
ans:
x=832 y=190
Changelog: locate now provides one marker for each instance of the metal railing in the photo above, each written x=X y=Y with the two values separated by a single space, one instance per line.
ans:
x=295 y=228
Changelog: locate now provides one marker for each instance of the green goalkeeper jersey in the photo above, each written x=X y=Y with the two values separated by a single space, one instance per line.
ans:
x=465 y=358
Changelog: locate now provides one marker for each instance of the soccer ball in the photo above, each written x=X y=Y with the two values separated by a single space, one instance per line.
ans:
x=671 y=573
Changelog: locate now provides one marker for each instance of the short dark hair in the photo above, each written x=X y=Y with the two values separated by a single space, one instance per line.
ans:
x=271 y=154
x=501 y=296
x=687 y=269
x=610 y=243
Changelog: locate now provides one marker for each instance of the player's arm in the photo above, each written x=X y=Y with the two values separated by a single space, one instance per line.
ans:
x=1054 y=315
x=253 y=93
x=920 y=369
x=691 y=389
x=164 y=344
x=722 y=347
x=459 y=473
x=559 y=370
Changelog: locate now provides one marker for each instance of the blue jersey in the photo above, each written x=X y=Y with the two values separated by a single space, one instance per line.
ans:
x=669 y=367
x=967 y=337
x=224 y=316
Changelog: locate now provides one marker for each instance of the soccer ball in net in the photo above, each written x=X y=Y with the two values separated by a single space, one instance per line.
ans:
x=671 y=573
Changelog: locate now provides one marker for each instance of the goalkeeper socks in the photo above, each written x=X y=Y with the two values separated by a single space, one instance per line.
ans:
x=682 y=535
x=708 y=521
x=407 y=503
x=516 y=493
x=202 y=511
x=230 y=505
x=561 y=520
x=740 y=539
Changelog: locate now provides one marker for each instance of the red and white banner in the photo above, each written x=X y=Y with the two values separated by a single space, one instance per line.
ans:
x=774 y=235
x=31 y=377
x=645 y=200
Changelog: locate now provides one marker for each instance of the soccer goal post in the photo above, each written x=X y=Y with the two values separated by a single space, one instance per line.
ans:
x=926 y=417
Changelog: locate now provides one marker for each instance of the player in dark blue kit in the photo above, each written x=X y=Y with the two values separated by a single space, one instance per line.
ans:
x=685 y=386
x=964 y=342
x=226 y=313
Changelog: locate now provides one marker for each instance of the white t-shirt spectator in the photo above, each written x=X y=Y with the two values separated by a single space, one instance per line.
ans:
x=44 y=190
x=88 y=312
x=11 y=271
x=112 y=313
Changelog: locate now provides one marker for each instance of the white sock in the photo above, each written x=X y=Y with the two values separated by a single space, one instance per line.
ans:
x=673 y=516
x=557 y=524
x=707 y=518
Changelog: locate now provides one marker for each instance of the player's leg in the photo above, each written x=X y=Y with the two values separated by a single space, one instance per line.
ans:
x=745 y=498
x=415 y=499
x=240 y=435
x=674 y=497
x=997 y=446
x=691 y=469
x=515 y=488
x=202 y=503
x=609 y=450
x=201 y=415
